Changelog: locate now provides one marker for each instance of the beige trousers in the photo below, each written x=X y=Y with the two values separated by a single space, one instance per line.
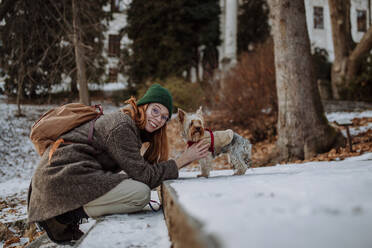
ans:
x=127 y=197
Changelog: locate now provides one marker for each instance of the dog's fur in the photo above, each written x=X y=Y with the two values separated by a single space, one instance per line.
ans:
x=238 y=148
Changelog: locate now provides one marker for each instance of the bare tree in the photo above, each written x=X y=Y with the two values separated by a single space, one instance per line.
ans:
x=21 y=76
x=79 y=55
x=20 y=54
x=6 y=6
x=347 y=58
x=303 y=129
x=34 y=61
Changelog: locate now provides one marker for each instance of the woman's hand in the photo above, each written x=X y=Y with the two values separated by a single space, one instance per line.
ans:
x=195 y=152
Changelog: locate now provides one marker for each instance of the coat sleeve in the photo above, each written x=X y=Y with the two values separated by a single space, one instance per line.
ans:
x=124 y=146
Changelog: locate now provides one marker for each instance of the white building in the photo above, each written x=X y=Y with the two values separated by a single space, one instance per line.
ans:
x=319 y=22
x=114 y=41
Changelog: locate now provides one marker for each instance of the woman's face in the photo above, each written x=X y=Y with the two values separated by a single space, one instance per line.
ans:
x=156 y=116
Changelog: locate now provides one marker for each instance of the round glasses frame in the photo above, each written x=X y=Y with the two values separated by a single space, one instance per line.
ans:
x=155 y=112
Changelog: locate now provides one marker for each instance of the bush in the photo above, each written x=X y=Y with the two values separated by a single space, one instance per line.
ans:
x=360 y=89
x=247 y=95
x=186 y=95
x=322 y=66
x=119 y=96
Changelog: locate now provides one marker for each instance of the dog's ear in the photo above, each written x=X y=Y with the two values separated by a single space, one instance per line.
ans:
x=200 y=111
x=181 y=115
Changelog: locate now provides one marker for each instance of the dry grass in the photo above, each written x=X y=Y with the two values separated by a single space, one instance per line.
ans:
x=247 y=95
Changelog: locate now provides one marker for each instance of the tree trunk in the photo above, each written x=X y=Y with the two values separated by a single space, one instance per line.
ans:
x=197 y=64
x=80 y=57
x=355 y=58
x=6 y=6
x=303 y=129
x=74 y=89
x=347 y=61
x=342 y=42
x=21 y=76
x=369 y=13
x=188 y=74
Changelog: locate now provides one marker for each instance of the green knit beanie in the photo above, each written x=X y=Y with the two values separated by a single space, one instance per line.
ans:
x=157 y=93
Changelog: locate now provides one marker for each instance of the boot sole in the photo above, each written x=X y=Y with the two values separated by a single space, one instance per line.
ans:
x=50 y=236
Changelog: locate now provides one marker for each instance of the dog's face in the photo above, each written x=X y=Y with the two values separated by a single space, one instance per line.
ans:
x=192 y=125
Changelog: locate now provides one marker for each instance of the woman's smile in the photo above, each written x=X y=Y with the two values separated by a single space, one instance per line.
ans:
x=157 y=115
x=153 y=124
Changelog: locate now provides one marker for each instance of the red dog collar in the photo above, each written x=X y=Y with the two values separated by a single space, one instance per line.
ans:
x=211 y=148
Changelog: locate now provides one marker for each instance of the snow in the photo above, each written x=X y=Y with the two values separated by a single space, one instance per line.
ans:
x=143 y=229
x=358 y=130
x=108 y=86
x=335 y=116
x=329 y=202
x=92 y=86
x=317 y=204
x=18 y=156
x=347 y=117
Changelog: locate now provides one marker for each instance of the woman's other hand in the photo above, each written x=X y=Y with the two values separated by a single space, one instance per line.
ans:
x=195 y=152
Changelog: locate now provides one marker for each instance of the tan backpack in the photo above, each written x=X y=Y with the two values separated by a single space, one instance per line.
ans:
x=57 y=121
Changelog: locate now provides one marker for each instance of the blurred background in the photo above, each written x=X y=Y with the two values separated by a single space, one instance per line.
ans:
x=215 y=53
x=219 y=54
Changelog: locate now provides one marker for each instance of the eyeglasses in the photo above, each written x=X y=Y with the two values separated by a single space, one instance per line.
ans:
x=155 y=111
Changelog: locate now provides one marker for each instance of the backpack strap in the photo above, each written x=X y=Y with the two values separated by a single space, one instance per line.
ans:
x=54 y=148
x=91 y=125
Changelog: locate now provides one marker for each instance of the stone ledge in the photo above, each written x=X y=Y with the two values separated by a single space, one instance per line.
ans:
x=316 y=204
x=184 y=230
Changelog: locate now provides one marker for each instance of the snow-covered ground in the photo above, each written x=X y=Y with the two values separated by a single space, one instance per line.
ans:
x=143 y=229
x=342 y=117
x=18 y=159
x=92 y=86
x=317 y=204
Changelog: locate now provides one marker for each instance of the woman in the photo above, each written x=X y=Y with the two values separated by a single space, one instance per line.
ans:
x=85 y=178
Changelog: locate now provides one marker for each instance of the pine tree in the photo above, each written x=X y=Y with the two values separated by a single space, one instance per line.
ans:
x=28 y=62
x=168 y=37
x=253 y=26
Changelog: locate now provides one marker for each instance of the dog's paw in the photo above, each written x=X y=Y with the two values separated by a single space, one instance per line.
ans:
x=240 y=172
x=202 y=175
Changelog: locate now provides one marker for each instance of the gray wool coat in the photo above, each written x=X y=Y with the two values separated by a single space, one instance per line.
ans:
x=81 y=172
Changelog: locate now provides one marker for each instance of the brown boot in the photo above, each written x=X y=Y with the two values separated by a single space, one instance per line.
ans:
x=76 y=232
x=73 y=216
x=72 y=219
x=57 y=232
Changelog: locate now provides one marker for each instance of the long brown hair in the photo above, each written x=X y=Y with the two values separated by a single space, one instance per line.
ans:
x=158 y=148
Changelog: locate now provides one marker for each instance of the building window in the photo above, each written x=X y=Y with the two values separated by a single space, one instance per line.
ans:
x=114 y=45
x=362 y=20
x=318 y=18
x=113 y=75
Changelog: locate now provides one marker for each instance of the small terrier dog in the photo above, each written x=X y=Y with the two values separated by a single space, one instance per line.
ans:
x=238 y=148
